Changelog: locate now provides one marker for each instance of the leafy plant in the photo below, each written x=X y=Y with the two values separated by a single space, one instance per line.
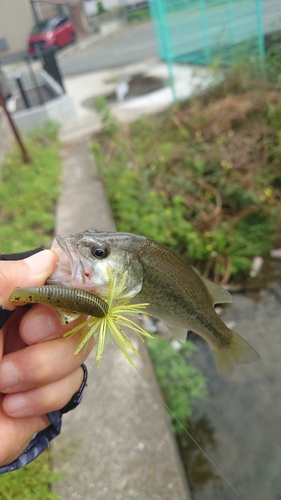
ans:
x=203 y=177
x=182 y=384
x=273 y=58
x=28 y=193
x=29 y=483
x=109 y=122
x=101 y=8
x=138 y=15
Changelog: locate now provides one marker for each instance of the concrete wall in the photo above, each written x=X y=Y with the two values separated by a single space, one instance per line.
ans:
x=60 y=110
x=91 y=5
x=16 y=21
x=46 y=10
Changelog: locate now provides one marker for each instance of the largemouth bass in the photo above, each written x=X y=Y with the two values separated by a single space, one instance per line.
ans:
x=156 y=275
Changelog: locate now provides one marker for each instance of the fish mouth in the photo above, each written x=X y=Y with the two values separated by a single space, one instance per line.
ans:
x=72 y=268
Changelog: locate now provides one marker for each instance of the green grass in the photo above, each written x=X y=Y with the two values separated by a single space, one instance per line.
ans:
x=30 y=483
x=138 y=15
x=28 y=193
x=182 y=384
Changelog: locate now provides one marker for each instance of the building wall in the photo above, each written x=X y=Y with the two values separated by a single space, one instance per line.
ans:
x=91 y=5
x=45 y=10
x=16 y=21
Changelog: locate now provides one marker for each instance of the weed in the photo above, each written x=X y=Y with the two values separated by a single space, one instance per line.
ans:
x=28 y=193
x=138 y=15
x=182 y=384
x=203 y=177
x=30 y=483
x=109 y=123
x=101 y=8
x=112 y=79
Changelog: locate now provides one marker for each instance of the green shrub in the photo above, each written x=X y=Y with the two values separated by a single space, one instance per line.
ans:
x=138 y=15
x=182 y=384
x=202 y=178
x=29 y=483
x=101 y=8
x=28 y=193
x=109 y=123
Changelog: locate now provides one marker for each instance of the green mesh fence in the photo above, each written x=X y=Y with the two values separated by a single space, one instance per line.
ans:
x=203 y=31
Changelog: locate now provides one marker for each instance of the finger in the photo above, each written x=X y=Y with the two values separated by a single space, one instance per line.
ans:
x=16 y=434
x=41 y=323
x=41 y=364
x=20 y=436
x=12 y=339
x=45 y=399
x=27 y=272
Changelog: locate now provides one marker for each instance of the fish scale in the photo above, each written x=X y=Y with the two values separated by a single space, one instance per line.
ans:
x=176 y=293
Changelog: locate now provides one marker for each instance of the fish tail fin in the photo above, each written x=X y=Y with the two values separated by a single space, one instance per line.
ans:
x=239 y=351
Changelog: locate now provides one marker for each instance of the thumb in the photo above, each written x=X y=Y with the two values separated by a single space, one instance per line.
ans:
x=32 y=271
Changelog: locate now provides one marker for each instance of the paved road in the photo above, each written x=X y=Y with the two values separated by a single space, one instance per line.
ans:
x=128 y=46
x=133 y=44
x=271 y=10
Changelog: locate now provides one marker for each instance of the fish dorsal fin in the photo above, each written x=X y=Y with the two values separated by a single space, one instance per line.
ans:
x=218 y=294
x=179 y=333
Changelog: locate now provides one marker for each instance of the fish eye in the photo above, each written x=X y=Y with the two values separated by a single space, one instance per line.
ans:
x=99 y=252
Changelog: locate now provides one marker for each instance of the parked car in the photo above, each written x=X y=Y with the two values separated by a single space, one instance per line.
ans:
x=53 y=33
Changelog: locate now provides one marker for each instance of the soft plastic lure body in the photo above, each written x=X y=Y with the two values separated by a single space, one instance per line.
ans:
x=106 y=316
x=68 y=302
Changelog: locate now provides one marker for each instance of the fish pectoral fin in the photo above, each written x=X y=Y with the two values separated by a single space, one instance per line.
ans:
x=179 y=333
x=130 y=292
x=219 y=295
x=238 y=352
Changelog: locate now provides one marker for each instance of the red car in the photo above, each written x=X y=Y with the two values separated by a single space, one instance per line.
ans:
x=53 y=33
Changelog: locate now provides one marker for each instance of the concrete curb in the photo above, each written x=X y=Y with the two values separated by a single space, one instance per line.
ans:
x=118 y=444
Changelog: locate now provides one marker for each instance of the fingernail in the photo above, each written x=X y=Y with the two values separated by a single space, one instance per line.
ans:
x=15 y=404
x=42 y=262
x=37 y=327
x=8 y=375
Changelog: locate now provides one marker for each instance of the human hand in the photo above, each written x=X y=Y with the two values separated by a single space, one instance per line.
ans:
x=38 y=371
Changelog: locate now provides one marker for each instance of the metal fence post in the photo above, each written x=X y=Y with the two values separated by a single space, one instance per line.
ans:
x=17 y=76
x=50 y=65
x=166 y=41
x=260 y=35
x=205 y=30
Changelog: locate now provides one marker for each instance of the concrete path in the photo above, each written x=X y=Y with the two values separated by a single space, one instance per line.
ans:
x=86 y=87
x=128 y=45
x=118 y=444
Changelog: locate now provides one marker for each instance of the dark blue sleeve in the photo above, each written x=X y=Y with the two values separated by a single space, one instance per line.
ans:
x=40 y=441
